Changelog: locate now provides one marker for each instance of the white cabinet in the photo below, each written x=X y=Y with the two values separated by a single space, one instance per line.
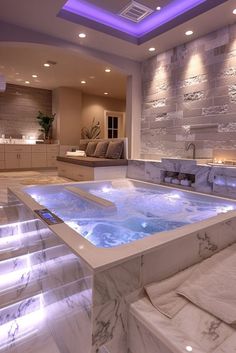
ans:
x=52 y=153
x=25 y=160
x=12 y=160
x=13 y=156
x=17 y=156
x=39 y=159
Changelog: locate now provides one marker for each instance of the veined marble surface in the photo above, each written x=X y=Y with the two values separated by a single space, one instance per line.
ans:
x=111 y=293
x=104 y=295
x=45 y=291
x=152 y=171
x=205 y=174
x=191 y=327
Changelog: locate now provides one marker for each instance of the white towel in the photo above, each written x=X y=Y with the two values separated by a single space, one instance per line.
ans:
x=77 y=153
x=163 y=294
x=212 y=286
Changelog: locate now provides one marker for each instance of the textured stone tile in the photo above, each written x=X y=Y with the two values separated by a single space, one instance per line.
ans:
x=194 y=96
x=195 y=104
x=218 y=109
x=197 y=83
x=231 y=127
x=232 y=93
x=190 y=113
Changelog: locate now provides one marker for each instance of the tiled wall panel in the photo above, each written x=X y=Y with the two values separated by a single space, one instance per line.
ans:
x=19 y=106
x=192 y=84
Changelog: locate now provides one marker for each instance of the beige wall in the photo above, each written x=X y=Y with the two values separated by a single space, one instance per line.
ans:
x=20 y=106
x=75 y=110
x=94 y=107
x=67 y=105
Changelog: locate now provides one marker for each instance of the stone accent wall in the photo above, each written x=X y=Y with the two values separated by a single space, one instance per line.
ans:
x=19 y=106
x=189 y=95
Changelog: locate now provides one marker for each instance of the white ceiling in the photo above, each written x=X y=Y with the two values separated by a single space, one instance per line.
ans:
x=19 y=62
x=41 y=16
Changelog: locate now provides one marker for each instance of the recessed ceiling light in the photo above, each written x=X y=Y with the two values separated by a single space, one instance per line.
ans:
x=234 y=11
x=92 y=77
x=27 y=82
x=152 y=49
x=34 y=76
x=106 y=93
x=189 y=348
x=107 y=70
x=82 y=35
x=188 y=33
x=46 y=65
x=83 y=82
x=158 y=8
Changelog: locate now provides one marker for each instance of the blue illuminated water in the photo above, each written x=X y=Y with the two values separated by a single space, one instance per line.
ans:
x=140 y=209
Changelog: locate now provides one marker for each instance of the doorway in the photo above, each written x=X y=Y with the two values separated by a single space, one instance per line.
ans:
x=114 y=124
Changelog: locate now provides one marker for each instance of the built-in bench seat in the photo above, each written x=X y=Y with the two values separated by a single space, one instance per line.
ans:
x=95 y=167
x=93 y=162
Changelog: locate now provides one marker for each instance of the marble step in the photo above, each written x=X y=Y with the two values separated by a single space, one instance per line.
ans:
x=38 y=341
x=29 y=320
x=25 y=237
x=11 y=247
x=22 y=324
x=20 y=227
x=33 y=273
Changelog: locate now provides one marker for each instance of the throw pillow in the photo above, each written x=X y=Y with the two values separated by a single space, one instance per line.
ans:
x=115 y=149
x=101 y=149
x=90 y=149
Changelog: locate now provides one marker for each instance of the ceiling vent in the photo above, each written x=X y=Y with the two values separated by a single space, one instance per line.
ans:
x=2 y=83
x=135 y=12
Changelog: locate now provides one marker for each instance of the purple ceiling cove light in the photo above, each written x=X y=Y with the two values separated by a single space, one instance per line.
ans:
x=175 y=13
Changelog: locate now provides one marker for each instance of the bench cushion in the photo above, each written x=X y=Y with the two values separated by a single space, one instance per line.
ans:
x=93 y=161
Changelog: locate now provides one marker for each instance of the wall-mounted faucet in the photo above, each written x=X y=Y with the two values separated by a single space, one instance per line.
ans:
x=191 y=145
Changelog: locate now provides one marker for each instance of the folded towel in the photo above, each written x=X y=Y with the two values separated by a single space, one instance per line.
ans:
x=175 y=181
x=212 y=286
x=163 y=294
x=77 y=153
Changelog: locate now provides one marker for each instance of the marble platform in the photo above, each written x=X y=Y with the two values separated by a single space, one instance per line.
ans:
x=218 y=180
x=191 y=330
x=109 y=280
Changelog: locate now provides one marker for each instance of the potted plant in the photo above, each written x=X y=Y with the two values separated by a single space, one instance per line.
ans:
x=45 y=121
x=91 y=132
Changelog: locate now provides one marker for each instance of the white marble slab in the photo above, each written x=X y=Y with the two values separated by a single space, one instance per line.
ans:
x=184 y=252
x=111 y=292
x=141 y=340
x=192 y=328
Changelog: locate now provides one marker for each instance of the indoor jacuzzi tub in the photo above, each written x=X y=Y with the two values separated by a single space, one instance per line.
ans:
x=122 y=215
x=136 y=209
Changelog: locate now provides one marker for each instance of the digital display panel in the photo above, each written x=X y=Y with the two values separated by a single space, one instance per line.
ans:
x=49 y=217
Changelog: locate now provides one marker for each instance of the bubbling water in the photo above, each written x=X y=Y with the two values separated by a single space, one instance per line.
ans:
x=140 y=210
